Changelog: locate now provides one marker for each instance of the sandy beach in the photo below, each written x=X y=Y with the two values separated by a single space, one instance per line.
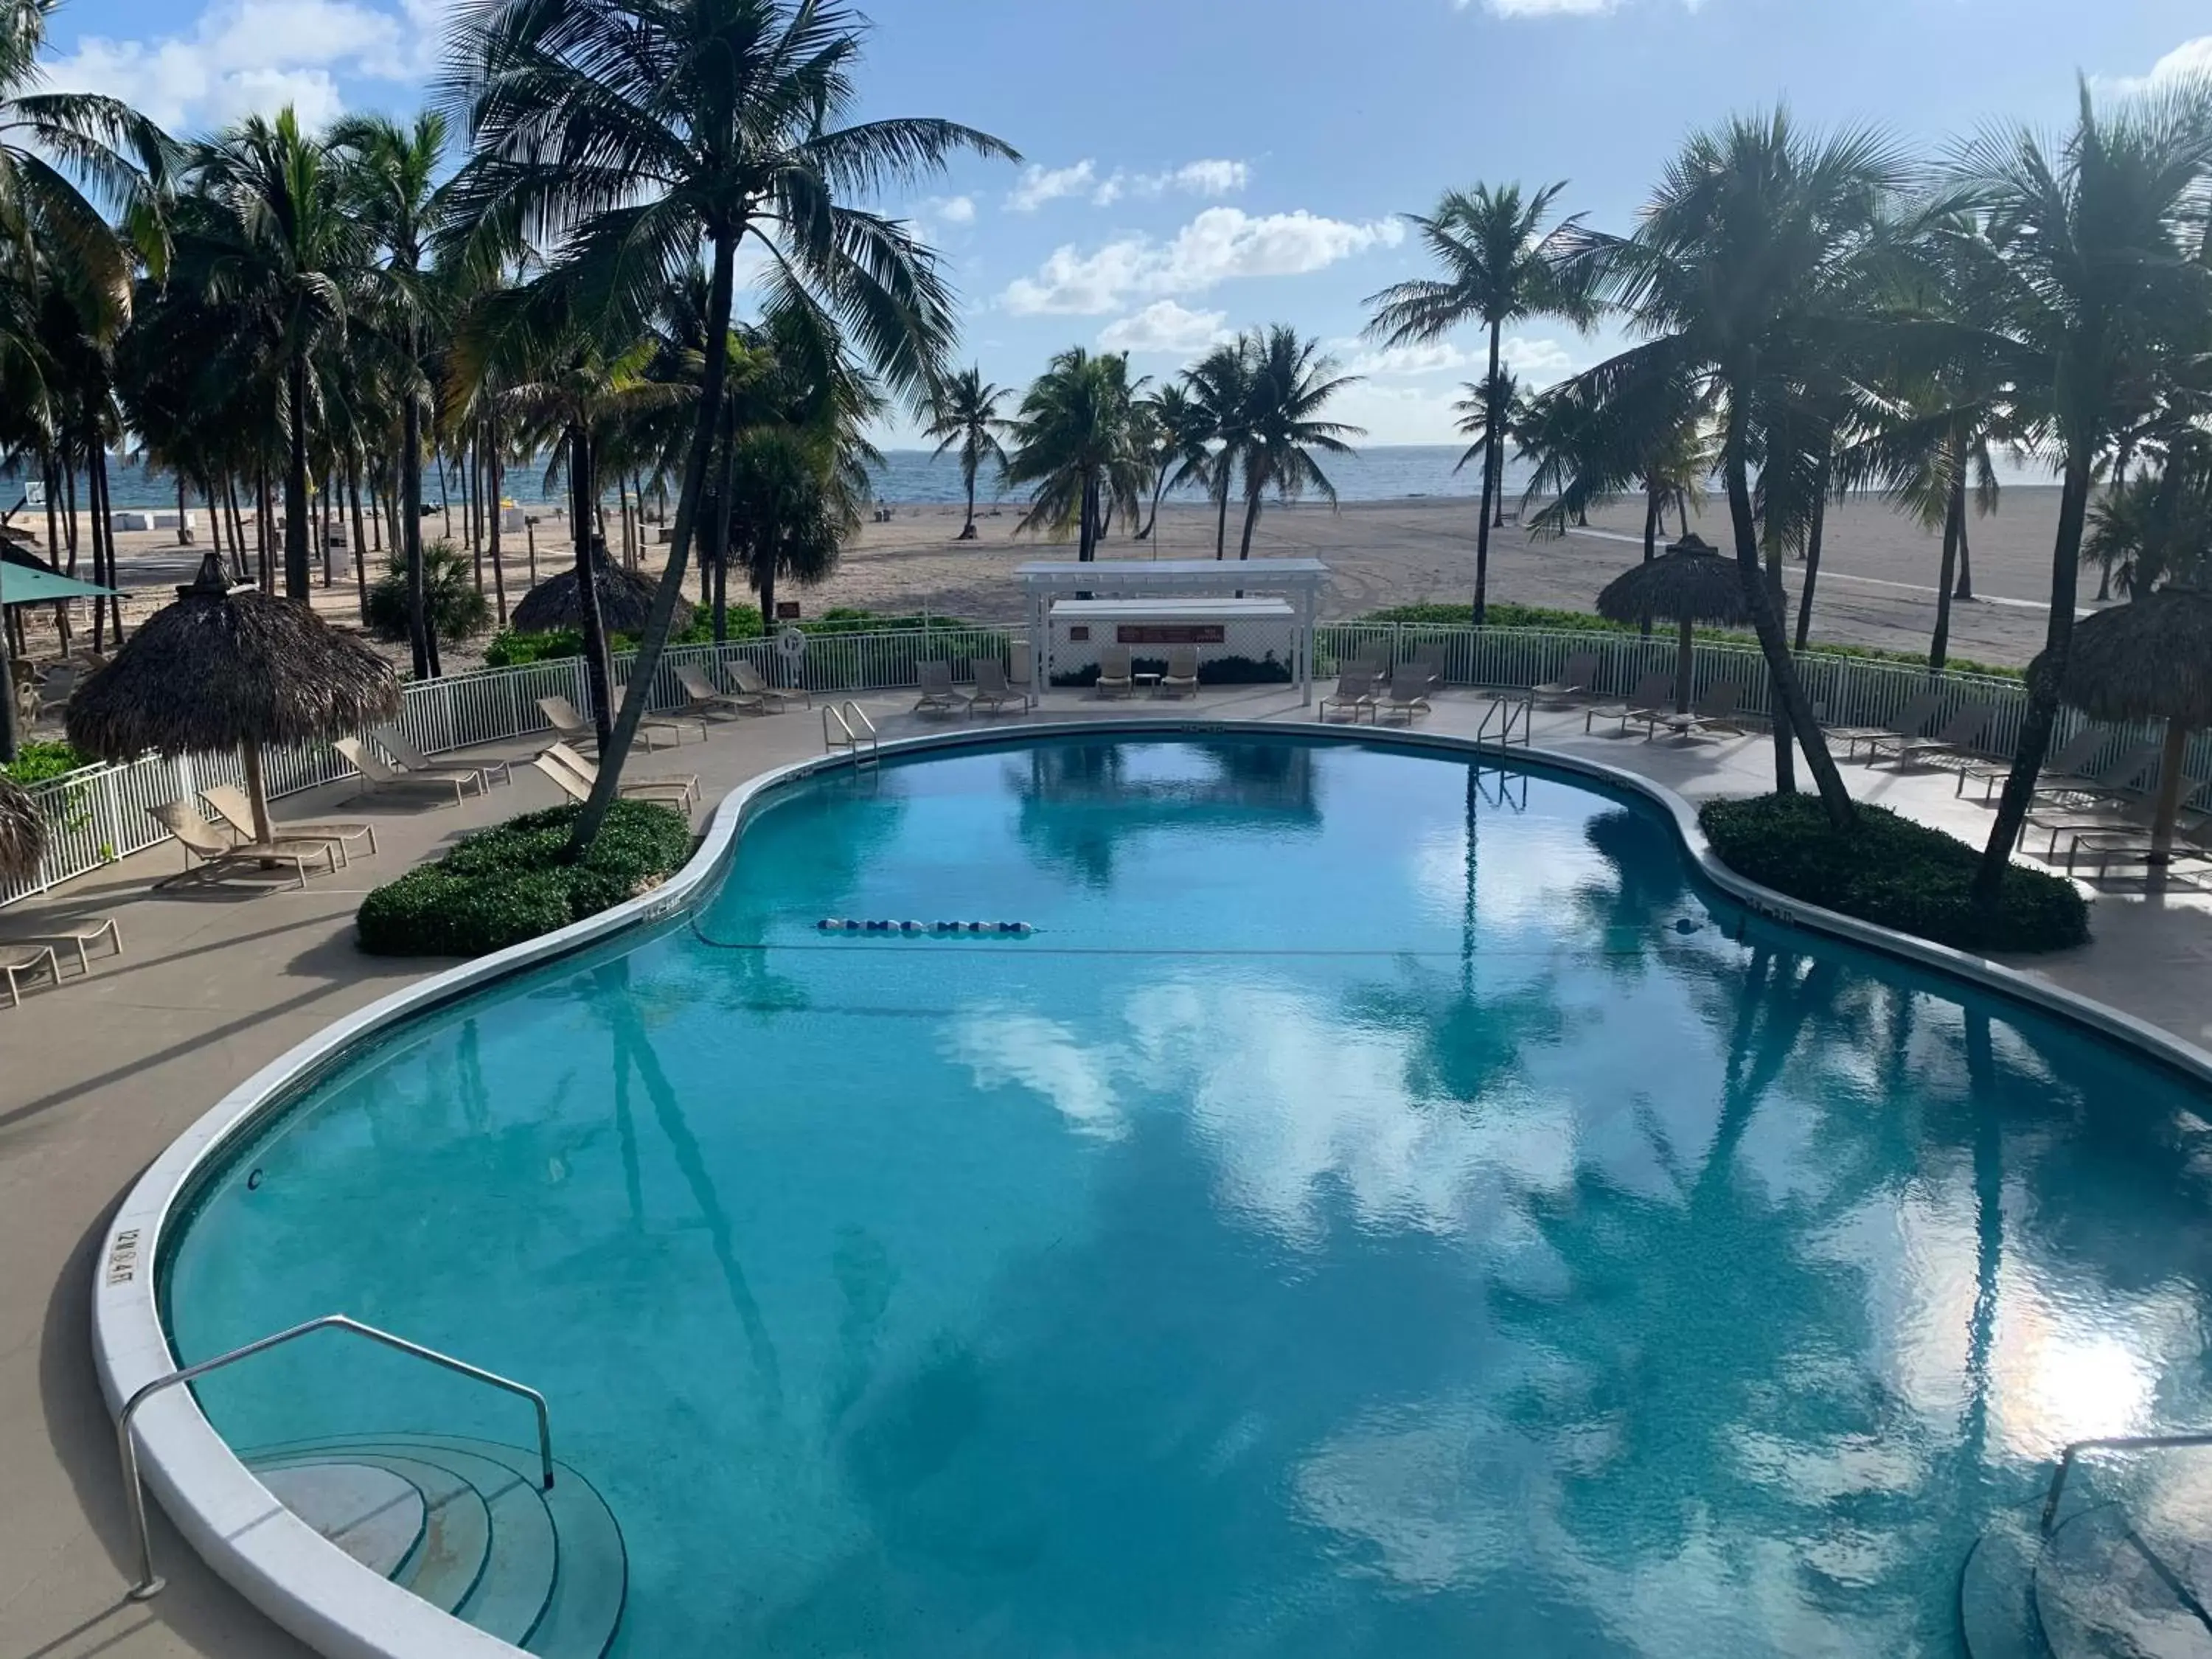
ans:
x=1877 y=584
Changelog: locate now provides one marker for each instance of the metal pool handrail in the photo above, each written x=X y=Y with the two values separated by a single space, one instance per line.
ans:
x=853 y=722
x=2121 y=1443
x=134 y=1491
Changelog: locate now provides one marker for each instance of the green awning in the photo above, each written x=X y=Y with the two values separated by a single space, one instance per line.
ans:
x=20 y=585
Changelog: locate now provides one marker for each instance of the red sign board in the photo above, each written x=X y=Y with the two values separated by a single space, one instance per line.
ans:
x=1168 y=634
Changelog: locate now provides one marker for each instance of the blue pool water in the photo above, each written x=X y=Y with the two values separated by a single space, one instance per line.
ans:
x=1386 y=1208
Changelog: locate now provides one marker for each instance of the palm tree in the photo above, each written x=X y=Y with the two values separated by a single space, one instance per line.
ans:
x=1180 y=432
x=282 y=245
x=626 y=134
x=1075 y=446
x=1291 y=383
x=2090 y=259
x=1748 y=278
x=965 y=411
x=1502 y=264
x=391 y=182
x=1220 y=388
x=1513 y=410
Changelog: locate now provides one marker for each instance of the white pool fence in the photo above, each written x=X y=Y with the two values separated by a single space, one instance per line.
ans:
x=100 y=814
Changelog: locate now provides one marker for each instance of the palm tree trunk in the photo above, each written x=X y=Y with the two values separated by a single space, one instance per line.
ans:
x=1954 y=521
x=1791 y=710
x=492 y=465
x=1159 y=488
x=408 y=508
x=360 y=539
x=297 y=575
x=599 y=672
x=1651 y=516
x=1965 y=589
x=2043 y=691
x=650 y=648
x=1251 y=520
x=1493 y=413
x=1221 y=519
x=968 y=468
x=717 y=539
x=1812 y=557
x=1086 y=546
x=2119 y=484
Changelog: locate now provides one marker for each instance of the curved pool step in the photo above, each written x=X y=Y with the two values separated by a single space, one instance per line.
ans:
x=1997 y=1600
x=544 y=1571
x=2101 y=1587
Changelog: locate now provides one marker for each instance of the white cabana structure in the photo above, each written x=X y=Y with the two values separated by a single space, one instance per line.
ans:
x=1149 y=604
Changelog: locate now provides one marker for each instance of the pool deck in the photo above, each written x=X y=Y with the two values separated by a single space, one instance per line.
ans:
x=97 y=1076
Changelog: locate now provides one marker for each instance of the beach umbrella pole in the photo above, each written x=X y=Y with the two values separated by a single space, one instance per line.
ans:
x=2171 y=761
x=256 y=791
x=1685 y=667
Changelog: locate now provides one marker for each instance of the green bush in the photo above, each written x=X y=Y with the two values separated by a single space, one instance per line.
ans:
x=457 y=611
x=510 y=649
x=508 y=884
x=1221 y=671
x=1888 y=870
x=36 y=762
x=1461 y=614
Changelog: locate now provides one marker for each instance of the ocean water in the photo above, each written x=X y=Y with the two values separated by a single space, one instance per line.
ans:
x=913 y=476
x=1386 y=1208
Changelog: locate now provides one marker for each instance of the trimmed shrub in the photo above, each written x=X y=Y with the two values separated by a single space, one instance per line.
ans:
x=1888 y=870
x=35 y=763
x=508 y=884
x=1221 y=671
x=457 y=611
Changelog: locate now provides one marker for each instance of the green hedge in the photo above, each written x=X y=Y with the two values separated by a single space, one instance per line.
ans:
x=35 y=763
x=1218 y=670
x=1432 y=615
x=508 y=884
x=1889 y=870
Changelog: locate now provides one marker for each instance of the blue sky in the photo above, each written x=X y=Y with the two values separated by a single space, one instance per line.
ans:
x=1195 y=165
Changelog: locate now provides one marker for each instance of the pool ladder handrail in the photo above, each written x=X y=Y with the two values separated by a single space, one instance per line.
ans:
x=1508 y=709
x=2070 y=1455
x=853 y=728
x=149 y=1584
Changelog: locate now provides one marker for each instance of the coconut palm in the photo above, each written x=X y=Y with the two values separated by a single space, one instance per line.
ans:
x=276 y=242
x=1502 y=263
x=1749 y=278
x=1220 y=388
x=1514 y=410
x=1180 y=432
x=1291 y=383
x=2090 y=261
x=1075 y=446
x=965 y=411
x=630 y=136
x=390 y=180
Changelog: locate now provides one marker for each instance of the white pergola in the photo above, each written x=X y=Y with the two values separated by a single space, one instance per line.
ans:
x=1298 y=580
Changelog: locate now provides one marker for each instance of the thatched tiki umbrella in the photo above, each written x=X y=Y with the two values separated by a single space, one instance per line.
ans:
x=22 y=832
x=1688 y=584
x=223 y=669
x=625 y=598
x=2149 y=659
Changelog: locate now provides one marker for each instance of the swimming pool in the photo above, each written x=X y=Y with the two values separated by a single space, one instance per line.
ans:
x=1386 y=1207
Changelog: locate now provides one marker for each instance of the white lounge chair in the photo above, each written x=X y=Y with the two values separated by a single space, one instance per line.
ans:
x=1355 y=690
x=1406 y=693
x=220 y=856
x=235 y=808
x=753 y=684
x=380 y=776
x=706 y=698
x=578 y=788
x=938 y=690
x=394 y=742
x=572 y=727
x=681 y=784
x=1182 y=676
x=1116 y=678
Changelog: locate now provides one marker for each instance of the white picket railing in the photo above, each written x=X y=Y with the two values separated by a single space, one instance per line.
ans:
x=100 y=814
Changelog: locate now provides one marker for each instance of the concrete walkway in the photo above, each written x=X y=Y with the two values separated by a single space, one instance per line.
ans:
x=97 y=1077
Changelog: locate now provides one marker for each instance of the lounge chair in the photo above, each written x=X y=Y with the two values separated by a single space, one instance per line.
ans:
x=1574 y=679
x=1021 y=672
x=1406 y=692
x=2128 y=823
x=705 y=699
x=1182 y=676
x=673 y=729
x=394 y=742
x=17 y=961
x=2067 y=761
x=80 y=938
x=1714 y=706
x=752 y=683
x=572 y=727
x=1116 y=678
x=1956 y=739
x=220 y=856
x=235 y=808
x=1654 y=696
x=682 y=784
x=991 y=685
x=578 y=788
x=1355 y=690
x=379 y=777
x=937 y=691
x=1425 y=663
x=1911 y=720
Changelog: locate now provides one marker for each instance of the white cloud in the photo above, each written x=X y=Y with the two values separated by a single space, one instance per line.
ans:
x=2191 y=58
x=1537 y=362
x=1211 y=178
x=247 y=55
x=954 y=211
x=1545 y=8
x=1432 y=357
x=1219 y=243
x=1163 y=326
x=1038 y=186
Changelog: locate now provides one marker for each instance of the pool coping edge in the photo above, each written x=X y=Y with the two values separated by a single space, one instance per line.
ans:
x=342 y=1609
